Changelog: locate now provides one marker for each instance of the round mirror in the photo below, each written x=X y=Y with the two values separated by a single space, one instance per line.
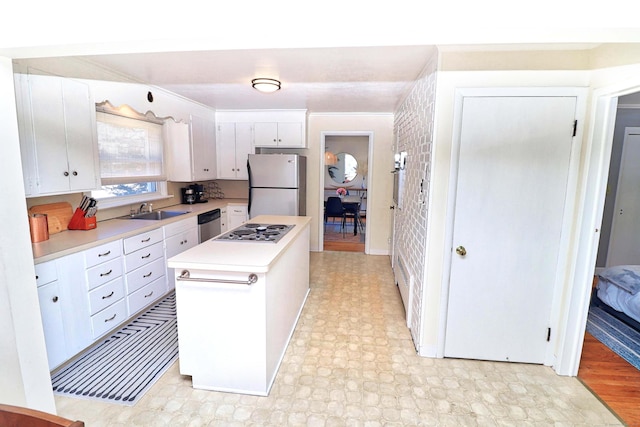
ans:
x=344 y=170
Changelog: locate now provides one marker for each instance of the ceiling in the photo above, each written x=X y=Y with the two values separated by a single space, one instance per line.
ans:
x=362 y=79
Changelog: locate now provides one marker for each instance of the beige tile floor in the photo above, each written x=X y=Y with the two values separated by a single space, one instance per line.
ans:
x=351 y=362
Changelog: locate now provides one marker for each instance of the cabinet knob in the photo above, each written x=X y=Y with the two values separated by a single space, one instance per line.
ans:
x=55 y=299
x=66 y=173
x=75 y=173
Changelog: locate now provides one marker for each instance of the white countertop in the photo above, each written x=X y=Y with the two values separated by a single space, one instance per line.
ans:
x=71 y=241
x=234 y=256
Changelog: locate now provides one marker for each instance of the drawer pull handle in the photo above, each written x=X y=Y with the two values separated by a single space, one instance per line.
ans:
x=55 y=299
x=104 y=254
x=186 y=277
x=149 y=294
x=107 y=273
x=146 y=256
x=147 y=275
x=111 y=318
x=146 y=240
x=108 y=296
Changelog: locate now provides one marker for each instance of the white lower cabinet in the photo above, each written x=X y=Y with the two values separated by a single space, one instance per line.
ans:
x=109 y=318
x=88 y=294
x=51 y=312
x=144 y=264
x=236 y=215
x=146 y=295
x=178 y=237
x=105 y=295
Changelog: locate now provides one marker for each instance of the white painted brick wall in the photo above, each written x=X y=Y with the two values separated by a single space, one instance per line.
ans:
x=413 y=129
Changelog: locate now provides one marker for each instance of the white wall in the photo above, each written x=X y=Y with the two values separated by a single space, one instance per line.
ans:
x=381 y=162
x=23 y=362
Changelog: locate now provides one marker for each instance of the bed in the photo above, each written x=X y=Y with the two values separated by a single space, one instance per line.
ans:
x=618 y=292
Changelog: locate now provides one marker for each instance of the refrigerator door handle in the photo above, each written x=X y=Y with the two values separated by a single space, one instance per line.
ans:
x=250 y=188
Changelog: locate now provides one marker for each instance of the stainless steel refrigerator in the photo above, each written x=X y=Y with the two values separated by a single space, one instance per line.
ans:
x=277 y=184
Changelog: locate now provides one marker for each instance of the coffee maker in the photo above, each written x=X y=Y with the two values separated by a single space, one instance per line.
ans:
x=194 y=193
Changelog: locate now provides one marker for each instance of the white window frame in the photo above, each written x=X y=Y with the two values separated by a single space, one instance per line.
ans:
x=161 y=186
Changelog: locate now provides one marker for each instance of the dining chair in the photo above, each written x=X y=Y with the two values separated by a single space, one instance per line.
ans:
x=334 y=209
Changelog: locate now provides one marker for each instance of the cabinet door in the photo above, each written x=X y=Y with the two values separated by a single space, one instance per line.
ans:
x=226 y=140
x=63 y=124
x=244 y=147
x=203 y=140
x=290 y=135
x=178 y=151
x=176 y=244
x=51 y=312
x=80 y=135
x=237 y=215
x=47 y=109
x=266 y=134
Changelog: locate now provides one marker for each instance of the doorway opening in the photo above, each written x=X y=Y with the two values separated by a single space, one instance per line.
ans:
x=616 y=381
x=345 y=190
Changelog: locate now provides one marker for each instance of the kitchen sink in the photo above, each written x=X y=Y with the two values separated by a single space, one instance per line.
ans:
x=155 y=216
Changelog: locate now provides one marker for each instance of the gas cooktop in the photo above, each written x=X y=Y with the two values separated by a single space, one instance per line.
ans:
x=252 y=232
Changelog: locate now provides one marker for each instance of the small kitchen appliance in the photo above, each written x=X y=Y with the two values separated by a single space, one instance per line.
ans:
x=277 y=184
x=188 y=196
x=253 y=232
x=194 y=193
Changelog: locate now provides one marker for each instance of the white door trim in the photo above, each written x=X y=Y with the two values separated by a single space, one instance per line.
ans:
x=370 y=193
x=556 y=323
x=592 y=191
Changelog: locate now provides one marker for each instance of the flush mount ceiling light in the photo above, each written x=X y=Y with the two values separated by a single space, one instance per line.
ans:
x=265 y=85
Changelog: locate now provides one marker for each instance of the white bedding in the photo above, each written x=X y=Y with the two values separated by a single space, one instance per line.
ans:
x=619 y=299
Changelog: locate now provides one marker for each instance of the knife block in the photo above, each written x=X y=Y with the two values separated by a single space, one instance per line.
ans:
x=81 y=222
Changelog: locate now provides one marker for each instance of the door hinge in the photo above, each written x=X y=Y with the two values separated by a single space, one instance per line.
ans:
x=548 y=334
x=575 y=127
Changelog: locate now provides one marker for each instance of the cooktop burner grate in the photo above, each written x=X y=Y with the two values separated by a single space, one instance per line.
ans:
x=252 y=232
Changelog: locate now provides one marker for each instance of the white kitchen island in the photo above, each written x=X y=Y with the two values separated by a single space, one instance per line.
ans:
x=239 y=306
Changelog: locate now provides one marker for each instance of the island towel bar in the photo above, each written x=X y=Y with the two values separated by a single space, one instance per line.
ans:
x=186 y=276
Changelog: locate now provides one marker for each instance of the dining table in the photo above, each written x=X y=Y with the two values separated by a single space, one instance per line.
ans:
x=351 y=205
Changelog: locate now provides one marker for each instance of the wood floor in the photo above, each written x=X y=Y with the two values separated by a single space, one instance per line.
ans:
x=335 y=240
x=612 y=379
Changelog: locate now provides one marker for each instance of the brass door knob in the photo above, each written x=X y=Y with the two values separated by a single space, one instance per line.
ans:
x=460 y=250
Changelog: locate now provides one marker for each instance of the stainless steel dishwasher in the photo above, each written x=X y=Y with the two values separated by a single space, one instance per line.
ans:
x=209 y=225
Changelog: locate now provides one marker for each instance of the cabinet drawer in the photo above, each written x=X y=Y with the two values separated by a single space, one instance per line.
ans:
x=105 y=295
x=237 y=210
x=180 y=226
x=146 y=295
x=143 y=256
x=181 y=242
x=108 y=318
x=103 y=273
x=46 y=273
x=133 y=243
x=145 y=274
x=102 y=253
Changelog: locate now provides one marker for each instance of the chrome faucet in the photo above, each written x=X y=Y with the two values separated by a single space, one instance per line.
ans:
x=142 y=206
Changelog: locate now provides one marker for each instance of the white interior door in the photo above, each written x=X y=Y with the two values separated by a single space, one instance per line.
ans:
x=509 y=204
x=625 y=229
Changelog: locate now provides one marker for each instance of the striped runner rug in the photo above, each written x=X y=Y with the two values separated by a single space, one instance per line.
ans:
x=615 y=334
x=126 y=364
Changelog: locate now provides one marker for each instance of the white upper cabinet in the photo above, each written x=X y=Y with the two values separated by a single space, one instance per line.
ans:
x=271 y=128
x=191 y=150
x=203 y=140
x=283 y=135
x=234 y=142
x=57 y=135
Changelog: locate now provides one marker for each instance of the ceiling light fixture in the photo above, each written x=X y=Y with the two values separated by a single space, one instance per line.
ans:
x=330 y=158
x=265 y=85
